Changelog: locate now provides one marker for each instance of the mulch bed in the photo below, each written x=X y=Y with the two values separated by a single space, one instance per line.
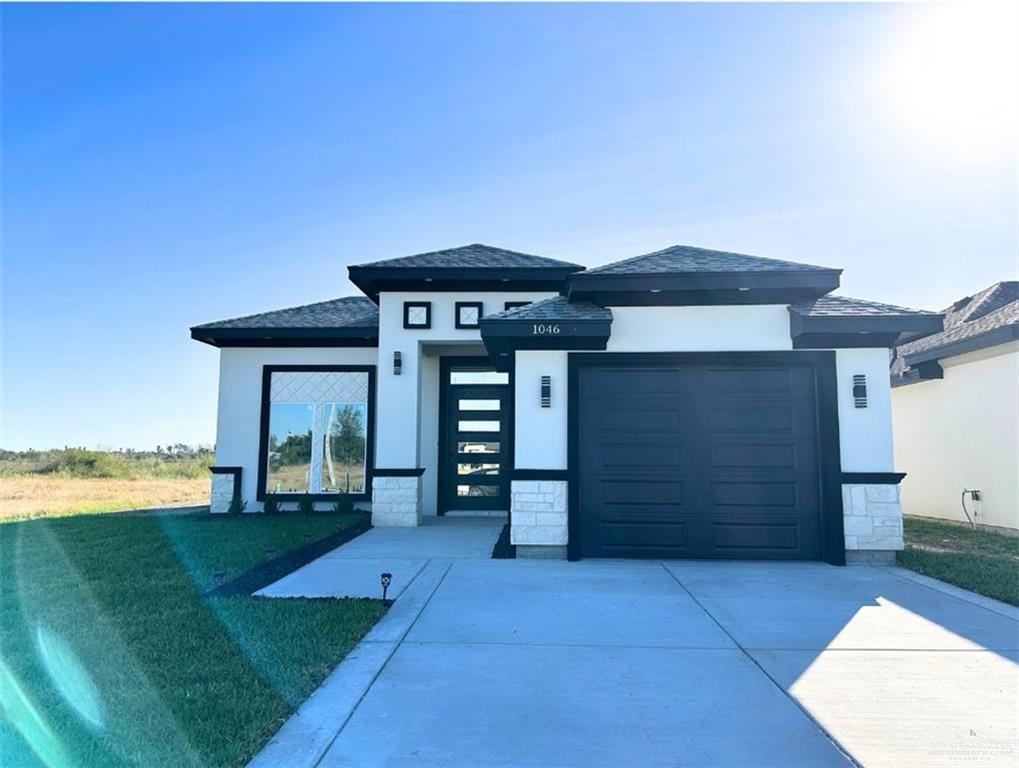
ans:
x=503 y=550
x=273 y=570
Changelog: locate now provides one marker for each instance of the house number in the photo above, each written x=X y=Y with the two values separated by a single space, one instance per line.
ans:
x=545 y=329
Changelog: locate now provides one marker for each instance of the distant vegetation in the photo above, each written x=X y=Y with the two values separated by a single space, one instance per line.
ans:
x=174 y=461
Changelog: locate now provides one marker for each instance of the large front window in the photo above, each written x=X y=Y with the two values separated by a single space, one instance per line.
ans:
x=316 y=438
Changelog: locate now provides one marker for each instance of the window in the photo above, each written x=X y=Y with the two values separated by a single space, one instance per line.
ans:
x=514 y=305
x=468 y=314
x=417 y=314
x=478 y=377
x=316 y=431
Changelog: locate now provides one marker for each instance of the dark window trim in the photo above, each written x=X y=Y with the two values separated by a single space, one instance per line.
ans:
x=235 y=471
x=408 y=305
x=872 y=478
x=390 y=472
x=263 y=437
x=463 y=305
x=833 y=545
x=446 y=363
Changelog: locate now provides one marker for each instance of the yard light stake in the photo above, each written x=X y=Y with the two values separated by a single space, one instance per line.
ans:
x=387 y=579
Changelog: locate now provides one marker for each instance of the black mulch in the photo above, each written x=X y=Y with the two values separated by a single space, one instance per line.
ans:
x=503 y=550
x=273 y=570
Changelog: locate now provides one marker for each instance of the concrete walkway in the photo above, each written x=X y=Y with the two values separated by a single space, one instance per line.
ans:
x=611 y=663
x=354 y=569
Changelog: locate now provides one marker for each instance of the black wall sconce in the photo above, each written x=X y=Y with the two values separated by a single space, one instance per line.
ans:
x=546 y=391
x=860 y=390
x=397 y=363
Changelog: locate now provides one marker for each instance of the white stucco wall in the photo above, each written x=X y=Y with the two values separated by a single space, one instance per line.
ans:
x=540 y=437
x=398 y=440
x=959 y=432
x=865 y=434
x=240 y=401
x=700 y=329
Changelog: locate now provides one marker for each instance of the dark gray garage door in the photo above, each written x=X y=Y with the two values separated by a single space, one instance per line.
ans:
x=704 y=461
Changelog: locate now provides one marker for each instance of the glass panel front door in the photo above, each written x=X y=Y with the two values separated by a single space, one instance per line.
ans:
x=475 y=456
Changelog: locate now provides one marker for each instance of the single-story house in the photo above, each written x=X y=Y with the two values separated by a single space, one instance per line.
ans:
x=955 y=404
x=684 y=403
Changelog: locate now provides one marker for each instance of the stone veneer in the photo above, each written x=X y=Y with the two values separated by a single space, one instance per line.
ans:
x=872 y=516
x=221 y=493
x=538 y=515
x=396 y=501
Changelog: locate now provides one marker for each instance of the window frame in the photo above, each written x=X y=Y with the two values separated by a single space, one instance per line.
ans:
x=409 y=305
x=464 y=305
x=263 y=437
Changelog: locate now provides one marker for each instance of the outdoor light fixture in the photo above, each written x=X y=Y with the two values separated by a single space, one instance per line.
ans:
x=546 y=391
x=397 y=363
x=860 y=390
x=387 y=579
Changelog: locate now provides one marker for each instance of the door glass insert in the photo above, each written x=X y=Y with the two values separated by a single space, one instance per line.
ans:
x=477 y=490
x=479 y=405
x=472 y=447
x=477 y=469
x=477 y=426
x=478 y=377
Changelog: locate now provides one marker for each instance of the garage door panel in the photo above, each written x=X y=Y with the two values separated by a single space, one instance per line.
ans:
x=713 y=461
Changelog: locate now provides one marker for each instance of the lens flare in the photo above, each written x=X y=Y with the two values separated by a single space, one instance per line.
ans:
x=69 y=676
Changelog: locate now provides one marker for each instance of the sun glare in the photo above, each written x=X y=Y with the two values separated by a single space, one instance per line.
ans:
x=953 y=77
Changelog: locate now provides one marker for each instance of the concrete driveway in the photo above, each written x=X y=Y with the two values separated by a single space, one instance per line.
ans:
x=611 y=663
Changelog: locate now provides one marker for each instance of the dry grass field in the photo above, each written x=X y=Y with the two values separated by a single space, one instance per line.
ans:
x=27 y=496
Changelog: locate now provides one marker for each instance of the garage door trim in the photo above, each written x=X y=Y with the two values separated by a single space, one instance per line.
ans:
x=829 y=458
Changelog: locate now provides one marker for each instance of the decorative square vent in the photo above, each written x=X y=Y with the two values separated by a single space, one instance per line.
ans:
x=468 y=314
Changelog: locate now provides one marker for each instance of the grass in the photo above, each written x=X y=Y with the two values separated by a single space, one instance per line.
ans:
x=28 y=496
x=112 y=656
x=982 y=561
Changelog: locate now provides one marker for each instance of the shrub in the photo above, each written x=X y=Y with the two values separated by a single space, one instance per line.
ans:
x=344 y=504
x=237 y=505
x=271 y=506
x=305 y=504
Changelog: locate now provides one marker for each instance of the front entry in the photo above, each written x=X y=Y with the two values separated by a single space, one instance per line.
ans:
x=474 y=432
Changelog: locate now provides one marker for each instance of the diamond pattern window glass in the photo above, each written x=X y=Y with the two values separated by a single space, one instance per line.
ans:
x=318 y=432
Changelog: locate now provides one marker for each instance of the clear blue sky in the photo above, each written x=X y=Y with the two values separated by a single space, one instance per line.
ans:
x=169 y=165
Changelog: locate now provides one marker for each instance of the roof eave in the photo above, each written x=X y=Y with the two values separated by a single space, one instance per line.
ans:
x=992 y=338
x=373 y=280
x=366 y=336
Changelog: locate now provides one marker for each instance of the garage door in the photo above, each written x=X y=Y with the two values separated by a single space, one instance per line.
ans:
x=699 y=461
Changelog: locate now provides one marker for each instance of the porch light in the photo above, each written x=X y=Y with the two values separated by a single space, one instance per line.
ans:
x=387 y=579
x=546 y=391
x=860 y=390
x=397 y=363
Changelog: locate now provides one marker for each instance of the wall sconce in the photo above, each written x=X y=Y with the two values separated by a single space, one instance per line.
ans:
x=546 y=391
x=860 y=390
x=397 y=363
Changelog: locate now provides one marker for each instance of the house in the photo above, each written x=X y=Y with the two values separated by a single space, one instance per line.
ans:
x=955 y=404
x=683 y=403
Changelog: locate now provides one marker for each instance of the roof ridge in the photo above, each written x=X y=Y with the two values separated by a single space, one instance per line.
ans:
x=869 y=302
x=682 y=251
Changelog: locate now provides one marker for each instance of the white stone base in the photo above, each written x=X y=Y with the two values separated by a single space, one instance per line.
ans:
x=221 y=493
x=872 y=516
x=538 y=513
x=396 y=501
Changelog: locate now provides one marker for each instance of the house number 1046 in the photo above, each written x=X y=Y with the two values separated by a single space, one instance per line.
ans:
x=546 y=329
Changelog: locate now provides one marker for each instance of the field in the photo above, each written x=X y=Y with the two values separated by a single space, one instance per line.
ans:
x=70 y=482
x=114 y=654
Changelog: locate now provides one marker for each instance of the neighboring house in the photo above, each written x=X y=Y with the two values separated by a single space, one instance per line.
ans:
x=684 y=403
x=955 y=404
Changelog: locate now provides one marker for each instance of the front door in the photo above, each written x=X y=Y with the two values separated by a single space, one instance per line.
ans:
x=474 y=455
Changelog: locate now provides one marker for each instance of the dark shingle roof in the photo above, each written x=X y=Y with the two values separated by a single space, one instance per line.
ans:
x=347 y=312
x=686 y=258
x=555 y=308
x=474 y=256
x=1003 y=317
x=844 y=306
x=981 y=303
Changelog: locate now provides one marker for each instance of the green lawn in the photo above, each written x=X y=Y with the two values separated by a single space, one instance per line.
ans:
x=112 y=656
x=981 y=561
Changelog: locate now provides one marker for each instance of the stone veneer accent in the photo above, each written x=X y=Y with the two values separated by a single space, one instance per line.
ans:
x=538 y=515
x=221 y=493
x=872 y=516
x=396 y=501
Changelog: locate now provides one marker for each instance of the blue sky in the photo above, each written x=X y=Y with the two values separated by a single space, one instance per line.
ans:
x=168 y=165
